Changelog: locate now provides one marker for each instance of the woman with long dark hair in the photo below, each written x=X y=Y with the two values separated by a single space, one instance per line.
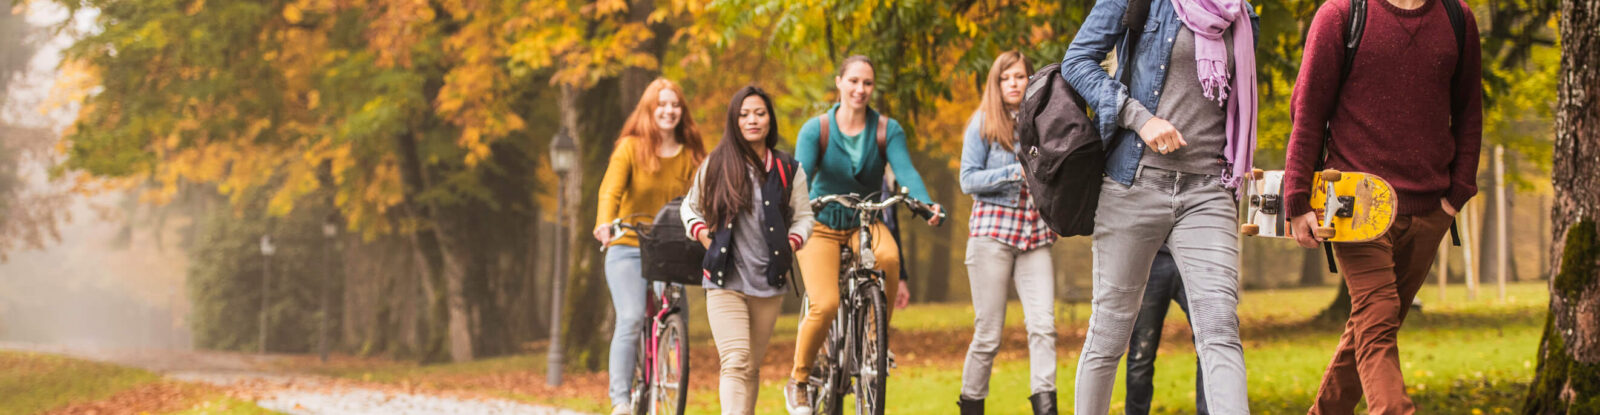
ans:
x=750 y=249
x=1008 y=243
x=656 y=156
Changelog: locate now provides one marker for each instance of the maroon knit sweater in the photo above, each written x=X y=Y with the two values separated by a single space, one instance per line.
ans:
x=1411 y=111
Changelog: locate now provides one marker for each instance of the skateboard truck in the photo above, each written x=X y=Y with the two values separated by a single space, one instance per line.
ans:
x=1269 y=204
x=1347 y=206
x=1334 y=206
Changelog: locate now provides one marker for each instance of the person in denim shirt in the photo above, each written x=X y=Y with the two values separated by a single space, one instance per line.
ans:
x=1008 y=243
x=1201 y=138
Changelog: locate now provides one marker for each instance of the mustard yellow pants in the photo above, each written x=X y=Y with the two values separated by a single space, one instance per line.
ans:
x=819 y=266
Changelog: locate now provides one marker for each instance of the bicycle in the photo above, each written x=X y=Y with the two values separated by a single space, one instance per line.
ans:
x=661 y=371
x=855 y=358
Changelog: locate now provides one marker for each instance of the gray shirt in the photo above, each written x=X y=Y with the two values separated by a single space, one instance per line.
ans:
x=751 y=258
x=1182 y=102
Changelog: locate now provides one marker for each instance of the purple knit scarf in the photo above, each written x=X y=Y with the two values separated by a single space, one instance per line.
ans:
x=1209 y=20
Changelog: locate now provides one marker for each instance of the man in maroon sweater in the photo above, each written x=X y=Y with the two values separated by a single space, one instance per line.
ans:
x=1410 y=111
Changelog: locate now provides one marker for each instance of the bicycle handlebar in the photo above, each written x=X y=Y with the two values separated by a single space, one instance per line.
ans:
x=620 y=229
x=856 y=202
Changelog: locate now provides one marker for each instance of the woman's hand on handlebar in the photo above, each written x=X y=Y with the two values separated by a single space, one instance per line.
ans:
x=938 y=215
x=602 y=233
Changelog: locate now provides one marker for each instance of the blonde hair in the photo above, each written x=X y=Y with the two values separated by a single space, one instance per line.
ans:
x=997 y=122
x=642 y=127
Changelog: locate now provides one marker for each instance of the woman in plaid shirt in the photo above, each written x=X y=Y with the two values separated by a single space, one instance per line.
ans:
x=1008 y=243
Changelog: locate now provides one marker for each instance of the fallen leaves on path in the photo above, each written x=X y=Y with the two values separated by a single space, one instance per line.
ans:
x=151 y=398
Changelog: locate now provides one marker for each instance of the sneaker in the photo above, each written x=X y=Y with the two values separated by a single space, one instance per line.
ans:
x=797 y=398
x=623 y=409
x=892 y=365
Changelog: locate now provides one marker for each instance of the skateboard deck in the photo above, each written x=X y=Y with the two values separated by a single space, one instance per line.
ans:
x=1363 y=206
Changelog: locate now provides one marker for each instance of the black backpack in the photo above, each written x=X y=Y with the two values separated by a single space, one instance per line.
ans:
x=667 y=253
x=1059 y=145
x=1061 y=153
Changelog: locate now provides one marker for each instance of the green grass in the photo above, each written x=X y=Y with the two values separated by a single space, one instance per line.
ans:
x=32 y=382
x=1458 y=356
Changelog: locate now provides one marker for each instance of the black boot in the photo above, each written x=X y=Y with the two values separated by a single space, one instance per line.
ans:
x=970 y=407
x=1044 y=403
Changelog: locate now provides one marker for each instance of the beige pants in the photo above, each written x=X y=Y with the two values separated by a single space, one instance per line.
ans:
x=741 y=326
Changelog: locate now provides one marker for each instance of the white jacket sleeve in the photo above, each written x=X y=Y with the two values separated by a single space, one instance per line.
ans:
x=800 y=203
x=693 y=221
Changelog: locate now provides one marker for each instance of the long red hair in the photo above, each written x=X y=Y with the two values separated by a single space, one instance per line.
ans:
x=641 y=125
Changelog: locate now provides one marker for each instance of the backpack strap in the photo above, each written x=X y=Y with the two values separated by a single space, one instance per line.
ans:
x=883 y=136
x=827 y=124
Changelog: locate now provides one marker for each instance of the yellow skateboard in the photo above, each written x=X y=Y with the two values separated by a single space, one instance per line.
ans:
x=1363 y=205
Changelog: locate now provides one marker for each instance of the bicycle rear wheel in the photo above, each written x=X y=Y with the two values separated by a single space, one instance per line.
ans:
x=872 y=353
x=671 y=389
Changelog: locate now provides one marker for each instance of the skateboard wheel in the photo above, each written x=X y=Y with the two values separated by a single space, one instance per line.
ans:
x=1331 y=175
x=1258 y=174
x=1250 y=229
x=1324 y=232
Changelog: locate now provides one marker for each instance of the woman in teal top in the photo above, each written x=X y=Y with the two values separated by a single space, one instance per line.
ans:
x=852 y=162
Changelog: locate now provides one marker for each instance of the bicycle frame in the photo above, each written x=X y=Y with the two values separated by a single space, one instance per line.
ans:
x=663 y=300
x=665 y=305
x=856 y=282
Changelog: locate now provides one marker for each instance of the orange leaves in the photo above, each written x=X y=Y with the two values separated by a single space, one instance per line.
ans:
x=475 y=93
x=395 y=28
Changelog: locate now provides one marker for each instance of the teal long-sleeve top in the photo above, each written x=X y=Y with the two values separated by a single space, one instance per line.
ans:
x=853 y=165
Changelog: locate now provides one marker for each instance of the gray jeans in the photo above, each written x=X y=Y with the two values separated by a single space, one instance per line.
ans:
x=1195 y=217
x=992 y=266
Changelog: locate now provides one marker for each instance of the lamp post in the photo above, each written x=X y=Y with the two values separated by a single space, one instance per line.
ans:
x=330 y=230
x=267 y=249
x=563 y=158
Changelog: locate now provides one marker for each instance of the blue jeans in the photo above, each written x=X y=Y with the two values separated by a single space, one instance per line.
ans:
x=628 y=293
x=1165 y=287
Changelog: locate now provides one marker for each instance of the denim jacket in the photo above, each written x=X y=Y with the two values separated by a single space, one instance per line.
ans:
x=988 y=172
x=1102 y=30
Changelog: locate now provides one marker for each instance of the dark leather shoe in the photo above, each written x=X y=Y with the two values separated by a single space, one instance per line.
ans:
x=1044 y=403
x=970 y=407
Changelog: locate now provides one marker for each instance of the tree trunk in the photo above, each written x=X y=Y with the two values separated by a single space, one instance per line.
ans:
x=1488 y=231
x=439 y=251
x=1568 y=376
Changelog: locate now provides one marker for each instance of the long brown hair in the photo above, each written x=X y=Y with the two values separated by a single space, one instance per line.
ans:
x=725 y=188
x=997 y=121
x=641 y=125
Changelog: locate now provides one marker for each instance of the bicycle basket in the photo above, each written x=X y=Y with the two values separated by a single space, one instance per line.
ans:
x=667 y=253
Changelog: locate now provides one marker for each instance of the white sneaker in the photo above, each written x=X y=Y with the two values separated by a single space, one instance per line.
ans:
x=624 y=409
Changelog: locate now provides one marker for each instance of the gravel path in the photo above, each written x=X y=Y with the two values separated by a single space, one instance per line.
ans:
x=290 y=393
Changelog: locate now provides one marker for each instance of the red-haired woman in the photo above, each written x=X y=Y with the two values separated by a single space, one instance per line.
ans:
x=655 y=159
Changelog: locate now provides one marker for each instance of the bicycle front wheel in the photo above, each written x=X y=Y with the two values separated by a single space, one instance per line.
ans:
x=671 y=391
x=872 y=353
